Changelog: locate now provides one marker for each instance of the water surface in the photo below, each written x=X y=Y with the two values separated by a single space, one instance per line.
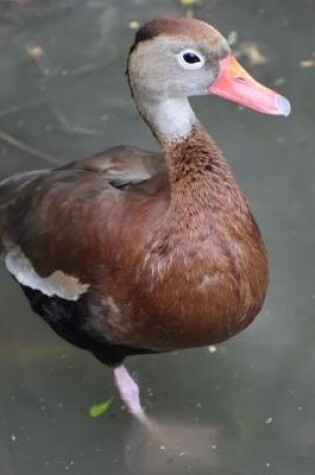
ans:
x=245 y=408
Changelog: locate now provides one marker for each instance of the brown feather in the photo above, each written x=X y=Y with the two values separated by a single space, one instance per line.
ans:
x=182 y=271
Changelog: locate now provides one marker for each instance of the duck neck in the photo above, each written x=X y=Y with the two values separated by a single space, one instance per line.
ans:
x=190 y=152
x=170 y=120
x=194 y=161
x=200 y=177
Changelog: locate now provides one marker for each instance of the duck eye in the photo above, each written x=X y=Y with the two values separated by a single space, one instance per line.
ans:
x=190 y=59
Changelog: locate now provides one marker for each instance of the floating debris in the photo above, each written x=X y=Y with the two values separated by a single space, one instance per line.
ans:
x=188 y=3
x=36 y=52
x=232 y=37
x=134 y=24
x=150 y=393
x=269 y=420
x=307 y=63
x=190 y=13
x=99 y=409
x=279 y=81
x=252 y=52
x=212 y=349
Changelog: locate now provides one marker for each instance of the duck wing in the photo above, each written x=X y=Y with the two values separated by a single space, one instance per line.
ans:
x=124 y=166
x=62 y=232
x=45 y=213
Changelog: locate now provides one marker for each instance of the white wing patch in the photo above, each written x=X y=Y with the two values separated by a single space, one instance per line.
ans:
x=57 y=284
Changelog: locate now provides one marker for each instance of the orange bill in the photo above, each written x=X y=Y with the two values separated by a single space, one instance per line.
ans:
x=235 y=84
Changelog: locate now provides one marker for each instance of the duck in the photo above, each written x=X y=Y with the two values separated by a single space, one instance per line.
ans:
x=133 y=252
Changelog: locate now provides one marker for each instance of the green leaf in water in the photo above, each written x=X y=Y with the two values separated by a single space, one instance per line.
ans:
x=189 y=3
x=99 y=409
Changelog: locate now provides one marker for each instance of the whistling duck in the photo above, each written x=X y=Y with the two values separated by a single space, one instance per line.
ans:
x=132 y=252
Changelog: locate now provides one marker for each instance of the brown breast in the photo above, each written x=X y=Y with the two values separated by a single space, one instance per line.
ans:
x=193 y=271
x=170 y=262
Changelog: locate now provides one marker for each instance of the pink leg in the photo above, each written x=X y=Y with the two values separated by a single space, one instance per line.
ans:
x=128 y=391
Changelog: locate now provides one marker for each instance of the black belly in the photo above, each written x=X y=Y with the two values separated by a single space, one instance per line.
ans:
x=71 y=320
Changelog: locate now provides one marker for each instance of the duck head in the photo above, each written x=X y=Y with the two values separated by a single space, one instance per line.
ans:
x=178 y=58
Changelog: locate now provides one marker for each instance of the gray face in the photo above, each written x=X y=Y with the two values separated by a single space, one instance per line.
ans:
x=158 y=69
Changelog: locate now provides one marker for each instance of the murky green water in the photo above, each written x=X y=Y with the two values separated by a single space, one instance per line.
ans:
x=246 y=408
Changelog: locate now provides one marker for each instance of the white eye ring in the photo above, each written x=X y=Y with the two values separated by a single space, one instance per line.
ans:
x=197 y=60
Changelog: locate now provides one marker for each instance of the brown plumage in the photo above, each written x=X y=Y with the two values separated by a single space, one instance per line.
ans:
x=156 y=252
x=182 y=28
